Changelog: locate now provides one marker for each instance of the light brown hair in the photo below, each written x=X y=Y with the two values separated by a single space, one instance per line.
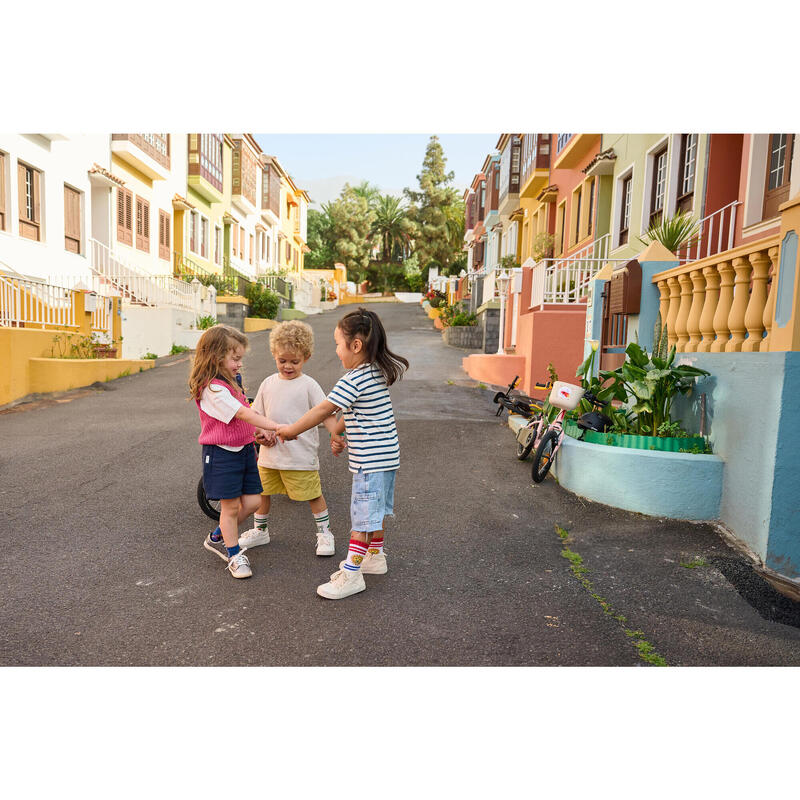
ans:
x=292 y=335
x=213 y=347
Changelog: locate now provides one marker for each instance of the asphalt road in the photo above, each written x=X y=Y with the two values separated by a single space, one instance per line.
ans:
x=104 y=565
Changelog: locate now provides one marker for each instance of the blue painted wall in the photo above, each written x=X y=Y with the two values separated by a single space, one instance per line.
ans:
x=677 y=485
x=744 y=401
x=648 y=310
x=783 y=547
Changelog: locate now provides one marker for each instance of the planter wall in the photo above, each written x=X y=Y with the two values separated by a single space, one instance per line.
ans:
x=669 y=444
x=467 y=337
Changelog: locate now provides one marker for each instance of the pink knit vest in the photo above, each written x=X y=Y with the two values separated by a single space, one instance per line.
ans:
x=235 y=433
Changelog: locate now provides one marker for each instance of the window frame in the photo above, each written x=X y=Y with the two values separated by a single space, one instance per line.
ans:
x=143 y=238
x=625 y=207
x=685 y=198
x=773 y=197
x=661 y=155
x=34 y=220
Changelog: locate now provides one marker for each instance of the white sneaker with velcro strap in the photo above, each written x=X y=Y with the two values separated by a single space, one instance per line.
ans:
x=239 y=566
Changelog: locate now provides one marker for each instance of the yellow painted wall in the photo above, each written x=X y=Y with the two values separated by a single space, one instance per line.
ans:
x=254 y=324
x=28 y=366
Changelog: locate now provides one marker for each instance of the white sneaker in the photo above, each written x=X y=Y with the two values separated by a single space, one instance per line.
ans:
x=253 y=538
x=342 y=584
x=325 y=546
x=239 y=566
x=373 y=564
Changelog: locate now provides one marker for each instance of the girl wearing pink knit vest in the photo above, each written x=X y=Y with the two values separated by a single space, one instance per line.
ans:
x=228 y=425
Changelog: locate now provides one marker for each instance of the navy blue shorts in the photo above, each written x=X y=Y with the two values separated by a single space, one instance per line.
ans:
x=227 y=474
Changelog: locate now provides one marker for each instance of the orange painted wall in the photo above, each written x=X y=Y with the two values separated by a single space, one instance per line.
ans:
x=567 y=180
x=551 y=335
x=498 y=370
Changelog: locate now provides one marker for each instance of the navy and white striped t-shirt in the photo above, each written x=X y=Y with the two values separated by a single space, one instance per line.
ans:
x=363 y=396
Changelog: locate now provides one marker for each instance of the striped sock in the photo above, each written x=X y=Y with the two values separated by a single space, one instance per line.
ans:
x=260 y=521
x=376 y=545
x=323 y=521
x=355 y=555
x=216 y=536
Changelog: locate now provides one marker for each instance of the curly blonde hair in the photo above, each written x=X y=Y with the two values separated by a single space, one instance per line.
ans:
x=294 y=336
x=213 y=347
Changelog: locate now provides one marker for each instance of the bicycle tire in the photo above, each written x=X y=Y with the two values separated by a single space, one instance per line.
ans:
x=524 y=450
x=205 y=504
x=542 y=460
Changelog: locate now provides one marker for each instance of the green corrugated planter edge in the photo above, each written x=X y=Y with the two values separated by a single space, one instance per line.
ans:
x=669 y=444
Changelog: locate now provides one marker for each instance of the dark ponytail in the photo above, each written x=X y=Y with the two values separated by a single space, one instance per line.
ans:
x=367 y=326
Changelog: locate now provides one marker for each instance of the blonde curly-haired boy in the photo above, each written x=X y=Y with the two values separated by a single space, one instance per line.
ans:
x=290 y=468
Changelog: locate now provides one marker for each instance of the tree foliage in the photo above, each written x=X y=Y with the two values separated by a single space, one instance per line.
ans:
x=350 y=227
x=436 y=212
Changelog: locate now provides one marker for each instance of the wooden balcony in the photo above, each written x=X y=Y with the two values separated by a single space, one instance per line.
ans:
x=573 y=149
x=724 y=303
x=146 y=152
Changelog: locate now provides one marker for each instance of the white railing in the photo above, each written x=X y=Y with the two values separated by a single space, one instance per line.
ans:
x=138 y=286
x=715 y=235
x=303 y=290
x=26 y=302
x=567 y=279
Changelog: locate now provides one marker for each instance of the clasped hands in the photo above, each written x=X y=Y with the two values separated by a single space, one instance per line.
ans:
x=283 y=432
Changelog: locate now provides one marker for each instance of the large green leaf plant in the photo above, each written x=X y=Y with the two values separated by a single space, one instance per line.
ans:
x=652 y=381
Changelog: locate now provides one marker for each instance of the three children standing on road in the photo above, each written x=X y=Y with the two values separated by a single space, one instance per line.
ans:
x=288 y=463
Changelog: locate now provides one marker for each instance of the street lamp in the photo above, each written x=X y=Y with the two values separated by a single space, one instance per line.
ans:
x=502 y=280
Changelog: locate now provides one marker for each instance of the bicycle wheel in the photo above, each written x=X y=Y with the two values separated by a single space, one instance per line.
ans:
x=524 y=450
x=210 y=507
x=543 y=458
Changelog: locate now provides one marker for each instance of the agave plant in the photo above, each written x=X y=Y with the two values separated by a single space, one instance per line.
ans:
x=673 y=232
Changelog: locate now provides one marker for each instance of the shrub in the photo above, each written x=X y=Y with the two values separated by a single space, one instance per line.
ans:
x=178 y=348
x=151 y=356
x=205 y=322
x=264 y=303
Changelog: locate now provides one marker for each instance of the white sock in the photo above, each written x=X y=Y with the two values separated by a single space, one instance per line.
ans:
x=323 y=521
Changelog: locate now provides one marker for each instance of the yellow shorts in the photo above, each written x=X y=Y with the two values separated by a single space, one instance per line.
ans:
x=299 y=484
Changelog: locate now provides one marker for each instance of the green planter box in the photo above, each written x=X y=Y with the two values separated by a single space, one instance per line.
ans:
x=670 y=444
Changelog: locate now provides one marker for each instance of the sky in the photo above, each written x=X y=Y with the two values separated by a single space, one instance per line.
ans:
x=322 y=163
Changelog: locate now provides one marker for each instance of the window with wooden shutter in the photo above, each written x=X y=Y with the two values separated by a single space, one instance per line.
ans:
x=72 y=220
x=29 y=191
x=625 y=209
x=235 y=238
x=203 y=237
x=124 y=216
x=217 y=245
x=3 y=162
x=163 y=234
x=241 y=242
x=142 y=225
x=251 y=248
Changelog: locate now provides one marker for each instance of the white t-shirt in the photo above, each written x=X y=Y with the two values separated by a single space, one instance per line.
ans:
x=285 y=401
x=219 y=403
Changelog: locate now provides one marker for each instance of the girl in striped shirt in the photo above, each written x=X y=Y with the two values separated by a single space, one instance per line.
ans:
x=362 y=395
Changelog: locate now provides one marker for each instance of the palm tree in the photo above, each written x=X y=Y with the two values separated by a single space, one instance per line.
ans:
x=369 y=192
x=390 y=225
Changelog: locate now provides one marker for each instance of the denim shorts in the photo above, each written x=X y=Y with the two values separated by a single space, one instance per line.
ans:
x=227 y=474
x=372 y=499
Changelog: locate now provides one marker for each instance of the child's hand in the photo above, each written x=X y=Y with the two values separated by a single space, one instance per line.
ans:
x=261 y=436
x=269 y=439
x=284 y=433
x=338 y=445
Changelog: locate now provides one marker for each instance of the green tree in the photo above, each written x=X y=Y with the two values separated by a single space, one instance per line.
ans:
x=369 y=192
x=350 y=227
x=434 y=210
x=323 y=254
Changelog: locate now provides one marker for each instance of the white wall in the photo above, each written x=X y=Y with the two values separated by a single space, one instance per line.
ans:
x=67 y=159
x=154 y=330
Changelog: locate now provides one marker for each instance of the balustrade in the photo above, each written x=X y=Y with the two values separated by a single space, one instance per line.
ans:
x=725 y=303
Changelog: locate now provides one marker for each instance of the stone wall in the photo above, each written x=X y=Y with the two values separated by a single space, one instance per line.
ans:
x=233 y=314
x=467 y=337
x=489 y=323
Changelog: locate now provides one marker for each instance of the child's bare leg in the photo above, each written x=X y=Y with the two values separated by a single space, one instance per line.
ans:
x=318 y=505
x=264 y=505
x=229 y=512
x=250 y=503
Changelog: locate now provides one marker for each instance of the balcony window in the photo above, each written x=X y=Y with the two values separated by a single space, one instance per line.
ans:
x=779 y=158
x=625 y=206
x=244 y=171
x=658 y=190
x=30 y=197
x=155 y=145
x=205 y=157
x=688 y=161
x=561 y=141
